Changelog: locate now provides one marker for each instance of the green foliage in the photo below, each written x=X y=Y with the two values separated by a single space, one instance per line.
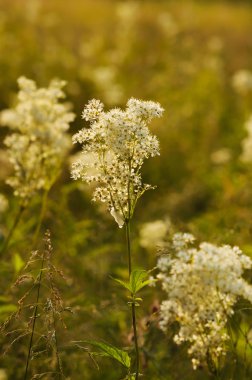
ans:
x=109 y=351
x=124 y=284
x=137 y=281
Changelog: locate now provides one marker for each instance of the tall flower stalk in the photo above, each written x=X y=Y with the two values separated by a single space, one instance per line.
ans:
x=38 y=143
x=133 y=305
x=114 y=150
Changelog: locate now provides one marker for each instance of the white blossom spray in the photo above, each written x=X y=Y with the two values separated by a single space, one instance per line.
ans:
x=38 y=143
x=114 y=150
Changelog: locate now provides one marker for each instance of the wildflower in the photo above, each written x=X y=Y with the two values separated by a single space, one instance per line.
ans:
x=92 y=110
x=39 y=141
x=181 y=240
x=119 y=142
x=203 y=284
x=152 y=281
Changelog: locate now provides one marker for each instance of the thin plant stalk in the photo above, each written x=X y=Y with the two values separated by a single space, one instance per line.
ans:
x=60 y=373
x=59 y=364
x=41 y=217
x=13 y=228
x=60 y=369
x=35 y=315
x=133 y=306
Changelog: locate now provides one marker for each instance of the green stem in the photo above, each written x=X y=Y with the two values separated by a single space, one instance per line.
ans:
x=133 y=306
x=40 y=220
x=133 y=312
x=127 y=225
x=35 y=315
x=12 y=230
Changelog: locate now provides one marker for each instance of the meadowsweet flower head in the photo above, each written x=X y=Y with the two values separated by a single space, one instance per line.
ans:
x=119 y=142
x=39 y=140
x=202 y=283
x=92 y=110
x=144 y=109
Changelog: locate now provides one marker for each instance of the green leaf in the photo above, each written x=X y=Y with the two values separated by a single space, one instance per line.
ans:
x=124 y=284
x=138 y=280
x=110 y=351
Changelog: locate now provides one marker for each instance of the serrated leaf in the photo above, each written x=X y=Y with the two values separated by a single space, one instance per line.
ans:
x=144 y=283
x=124 y=284
x=110 y=351
x=137 y=280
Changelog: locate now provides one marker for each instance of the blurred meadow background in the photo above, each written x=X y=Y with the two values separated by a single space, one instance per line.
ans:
x=195 y=59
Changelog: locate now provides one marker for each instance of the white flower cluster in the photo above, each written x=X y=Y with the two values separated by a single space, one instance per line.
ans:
x=203 y=285
x=39 y=140
x=114 y=149
x=247 y=142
